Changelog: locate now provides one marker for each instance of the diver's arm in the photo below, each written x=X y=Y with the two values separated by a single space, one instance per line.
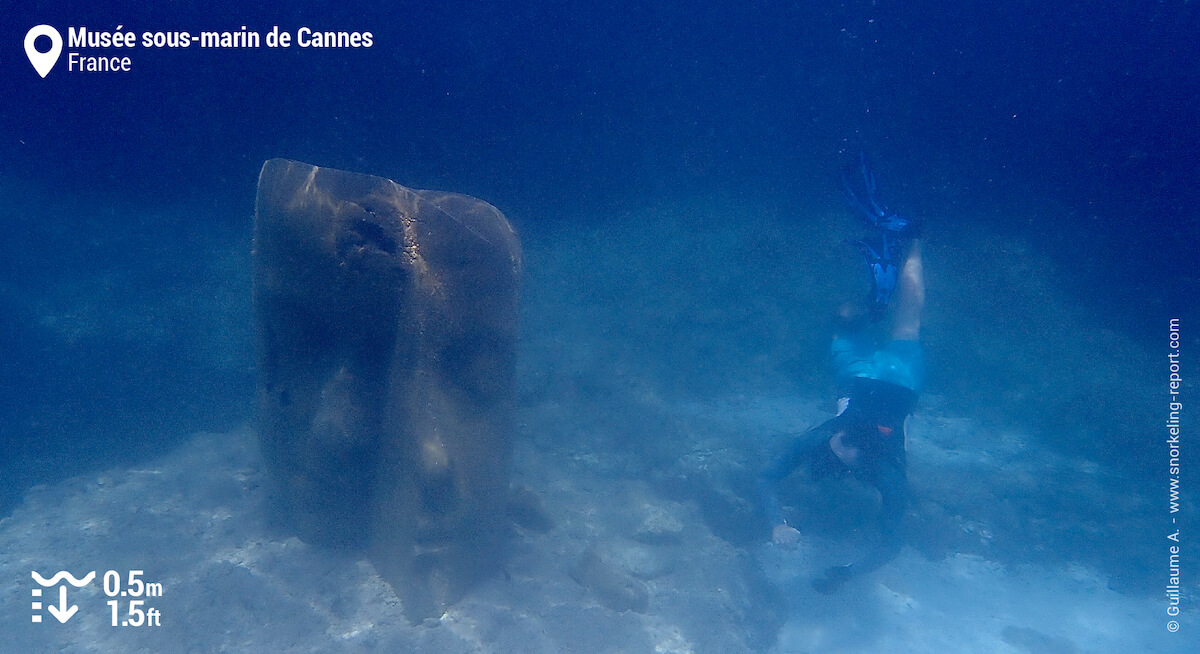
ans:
x=893 y=488
x=768 y=480
x=810 y=447
x=801 y=449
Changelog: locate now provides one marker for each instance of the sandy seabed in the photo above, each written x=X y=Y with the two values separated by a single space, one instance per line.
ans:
x=194 y=521
x=648 y=484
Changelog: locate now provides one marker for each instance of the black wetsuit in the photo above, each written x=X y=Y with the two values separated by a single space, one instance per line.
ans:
x=872 y=422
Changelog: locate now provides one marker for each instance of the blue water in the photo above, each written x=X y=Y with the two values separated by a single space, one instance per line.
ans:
x=1050 y=148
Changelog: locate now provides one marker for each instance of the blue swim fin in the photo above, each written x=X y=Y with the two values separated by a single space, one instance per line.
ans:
x=885 y=248
x=860 y=189
x=883 y=259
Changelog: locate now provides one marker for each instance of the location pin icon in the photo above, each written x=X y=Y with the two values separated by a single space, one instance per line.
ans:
x=43 y=61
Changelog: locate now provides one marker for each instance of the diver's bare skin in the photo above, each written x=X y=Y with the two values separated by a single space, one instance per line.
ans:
x=879 y=366
x=910 y=296
x=906 y=326
x=907 y=307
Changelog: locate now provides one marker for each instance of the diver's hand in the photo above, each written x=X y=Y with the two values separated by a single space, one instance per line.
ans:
x=833 y=579
x=785 y=536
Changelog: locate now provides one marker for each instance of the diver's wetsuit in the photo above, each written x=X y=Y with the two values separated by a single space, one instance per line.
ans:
x=880 y=386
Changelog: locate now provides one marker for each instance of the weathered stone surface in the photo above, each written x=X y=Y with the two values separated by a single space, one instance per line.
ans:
x=612 y=587
x=386 y=325
x=641 y=560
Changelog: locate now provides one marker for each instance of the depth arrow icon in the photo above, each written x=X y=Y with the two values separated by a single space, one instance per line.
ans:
x=61 y=611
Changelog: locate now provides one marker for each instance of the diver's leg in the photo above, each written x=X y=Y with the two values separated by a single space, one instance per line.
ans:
x=910 y=297
x=892 y=483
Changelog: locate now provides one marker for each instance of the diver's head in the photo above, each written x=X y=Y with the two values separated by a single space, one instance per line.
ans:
x=845 y=447
x=864 y=437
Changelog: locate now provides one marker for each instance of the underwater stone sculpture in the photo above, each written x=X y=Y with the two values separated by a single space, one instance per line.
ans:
x=386 y=326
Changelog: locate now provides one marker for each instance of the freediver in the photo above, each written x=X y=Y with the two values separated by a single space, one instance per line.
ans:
x=879 y=370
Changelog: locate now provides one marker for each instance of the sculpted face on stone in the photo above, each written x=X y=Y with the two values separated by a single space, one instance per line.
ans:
x=386 y=326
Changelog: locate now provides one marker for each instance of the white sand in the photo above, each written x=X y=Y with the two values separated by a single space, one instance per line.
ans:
x=638 y=461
